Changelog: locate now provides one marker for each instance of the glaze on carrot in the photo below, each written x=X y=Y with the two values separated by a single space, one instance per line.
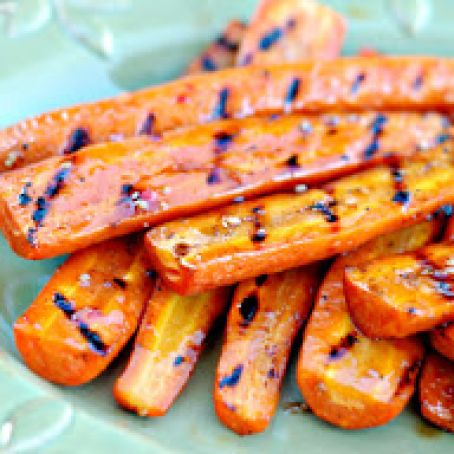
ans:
x=401 y=295
x=86 y=313
x=280 y=232
x=222 y=52
x=405 y=83
x=291 y=31
x=346 y=378
x=168 y=345
x=66 y=203
x=436 y=391
x=265 y=316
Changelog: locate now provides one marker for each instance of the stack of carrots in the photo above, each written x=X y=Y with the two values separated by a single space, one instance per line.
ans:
x=318 y=187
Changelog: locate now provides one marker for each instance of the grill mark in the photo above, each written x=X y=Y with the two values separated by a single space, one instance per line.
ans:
x=24 y=198
x=42 y=207
x=58 y=181
x=248 y=308
x=79 y=138
x=232 y=380
x=260 y=280
x=227 y=44
x=270 y=38
x=214 y=176
x=147 y=127
x=345 y=344
x=357 y=83
x=259 y=233
x=418 y=82
x=325 y=209
x=220 y=109
x=377 y=130
x=401 y=194
x=120 y=282
x=222 y=141
x=208 y=63
x=292 y=93
x=178 y=360
x=94 y=339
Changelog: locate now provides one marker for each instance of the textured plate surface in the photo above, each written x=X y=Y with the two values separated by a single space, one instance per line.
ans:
x=66 y=51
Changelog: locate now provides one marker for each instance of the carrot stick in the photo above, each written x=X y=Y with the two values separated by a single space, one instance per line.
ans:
x=86 y=313
x=167 y=348
x=347 y=379
x=355 y=83
x=280 y=232
x=265 y=316
x=222 y=52
x=401 y=295
x=436 y=391
x=56 y=206
x=291 y=31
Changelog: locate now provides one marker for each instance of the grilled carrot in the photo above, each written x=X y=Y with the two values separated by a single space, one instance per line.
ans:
x=436 y=391
x=65 y=203
x=86 y=313
x=221 y=53
x=265 y=316
x=280 y=232
x=167 y=348
x=355 y=83
x=400 y=295
x=442 y=339
x=348 y=379
x=291 y=30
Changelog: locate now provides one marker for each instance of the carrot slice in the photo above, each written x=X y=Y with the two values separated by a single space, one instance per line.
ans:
x=86 y=313
x=355 y=83
x=292 y=30
x=167 y=347
x=65 y=203
x=401 y=295
x=265 y=316
x=436 y=391
x=222 y=52
x=348 y=379
x=280 y=232
x=442 y=339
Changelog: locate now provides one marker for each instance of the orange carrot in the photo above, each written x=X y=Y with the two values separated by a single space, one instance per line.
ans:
x=280 y=232
x=263 y=321
x=86 y=313
x=292 y=30
x=436 y=391
x=167 y=348
x=355 y=83
x=56 y=206
x=400 y=295
x=348 y=379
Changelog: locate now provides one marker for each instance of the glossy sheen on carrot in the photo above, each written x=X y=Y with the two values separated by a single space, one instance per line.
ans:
x=442 y=339
x=346 y=378
x=400 y=295
x=436 y=391
x=354 y=83
x=280 y=232
x=265 y=316
x=168 y=345
x=291 y=31
x=222 y=52
x=86 y=313
x=65 y=203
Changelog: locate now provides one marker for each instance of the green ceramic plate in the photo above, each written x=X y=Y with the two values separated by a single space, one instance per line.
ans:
x=54 y=53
